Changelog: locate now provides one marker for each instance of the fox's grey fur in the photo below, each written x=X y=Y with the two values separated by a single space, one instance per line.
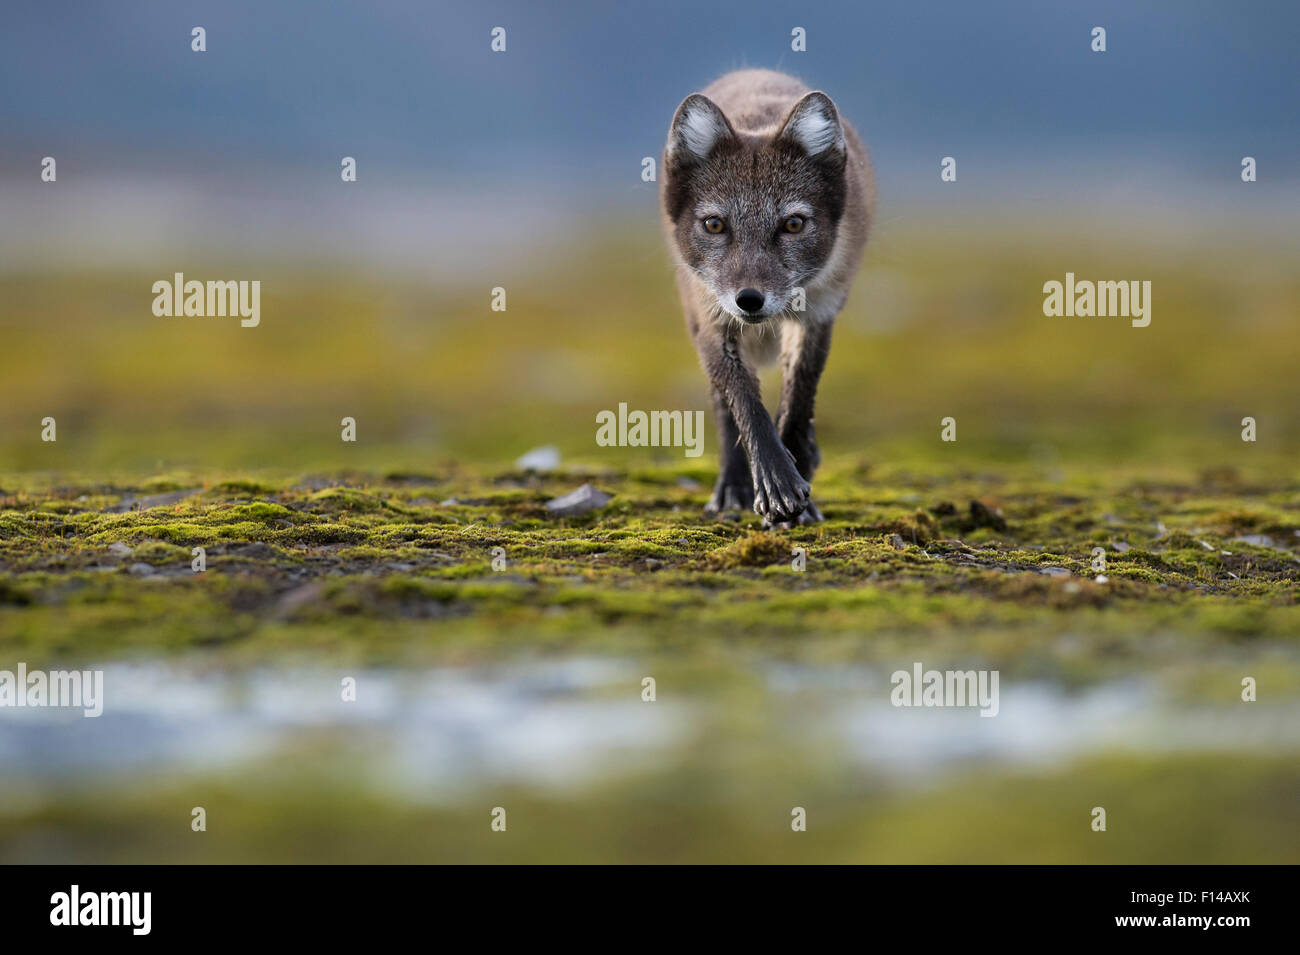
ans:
x=752 y=151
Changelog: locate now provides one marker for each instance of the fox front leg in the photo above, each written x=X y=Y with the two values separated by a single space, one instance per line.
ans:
x=803 y=357
x=780 y=492
x=735 y=488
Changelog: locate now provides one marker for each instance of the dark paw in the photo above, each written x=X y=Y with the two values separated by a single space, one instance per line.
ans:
x=780 y=492
x=809 y=515
x=730 y=497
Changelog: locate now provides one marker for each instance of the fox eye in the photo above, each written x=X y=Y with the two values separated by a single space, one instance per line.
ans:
x=794 y=224
x=714 y=225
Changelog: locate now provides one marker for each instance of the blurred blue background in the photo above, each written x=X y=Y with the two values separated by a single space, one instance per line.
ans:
x=585 y=89
x=451 y=137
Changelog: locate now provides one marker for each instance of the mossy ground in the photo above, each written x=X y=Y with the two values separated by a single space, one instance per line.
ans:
x=375 y=568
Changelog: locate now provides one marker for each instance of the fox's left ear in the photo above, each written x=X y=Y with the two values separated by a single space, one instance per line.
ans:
x=814 y=124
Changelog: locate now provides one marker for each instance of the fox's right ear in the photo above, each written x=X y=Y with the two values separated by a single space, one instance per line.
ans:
x=698 y=128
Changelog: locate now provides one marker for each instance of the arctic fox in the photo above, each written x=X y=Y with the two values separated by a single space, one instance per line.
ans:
x=768 y=196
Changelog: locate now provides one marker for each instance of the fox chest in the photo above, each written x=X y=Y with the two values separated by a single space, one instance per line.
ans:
x=760 y=344
x=771 y=342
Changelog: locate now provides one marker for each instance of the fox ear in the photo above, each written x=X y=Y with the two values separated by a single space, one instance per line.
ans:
x=697 y=129
x=814 y=124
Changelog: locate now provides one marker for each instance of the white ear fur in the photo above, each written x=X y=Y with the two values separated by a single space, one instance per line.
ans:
x=814 y=124
x=698 y=127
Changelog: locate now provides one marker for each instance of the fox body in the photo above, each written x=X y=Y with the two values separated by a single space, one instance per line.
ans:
x=767 y=202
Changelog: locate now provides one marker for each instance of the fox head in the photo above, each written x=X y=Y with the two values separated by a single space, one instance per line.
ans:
x=755 y=215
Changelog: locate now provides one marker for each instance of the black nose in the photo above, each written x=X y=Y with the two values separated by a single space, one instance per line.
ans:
x=749 y=299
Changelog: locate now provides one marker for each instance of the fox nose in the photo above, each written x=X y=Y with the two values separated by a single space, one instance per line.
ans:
x=749 y=300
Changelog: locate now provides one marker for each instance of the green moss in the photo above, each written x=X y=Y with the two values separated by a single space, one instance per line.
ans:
x=897 y=555
x=259 y=511
x=752 y=550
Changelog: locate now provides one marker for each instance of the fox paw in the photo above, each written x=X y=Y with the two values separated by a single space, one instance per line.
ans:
x=730 y=497
x=809 y=515
x=780 y=493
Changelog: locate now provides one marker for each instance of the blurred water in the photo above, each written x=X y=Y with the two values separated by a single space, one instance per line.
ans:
x=430 y=736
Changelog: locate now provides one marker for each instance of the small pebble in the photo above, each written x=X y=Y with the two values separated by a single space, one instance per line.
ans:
x=541 y=459
x=582 y=501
